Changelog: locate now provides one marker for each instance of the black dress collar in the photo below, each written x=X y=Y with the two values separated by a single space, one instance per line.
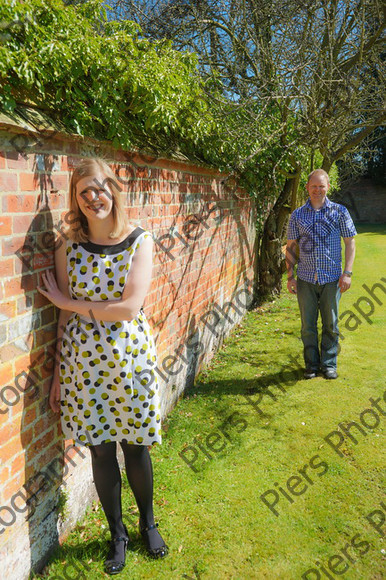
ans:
x=114 y=248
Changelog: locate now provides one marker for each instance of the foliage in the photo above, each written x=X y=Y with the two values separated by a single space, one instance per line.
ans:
x=99 y=77
x=305 y=81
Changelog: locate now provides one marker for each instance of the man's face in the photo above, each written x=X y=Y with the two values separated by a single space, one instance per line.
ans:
x=317 y=188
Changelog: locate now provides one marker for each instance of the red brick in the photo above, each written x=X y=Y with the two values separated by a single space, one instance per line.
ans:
x=43 y=423
x=37 y=357
x=5 y=475
x=29 y=417
x=18 y=464
x=18 y=285
x=45 y=391
x=11 y=245
x=9 y=352
x=142 y=159
x=8 y=182
x=72 y=162
x=19 y=203
x=23 y=263
x=43 y=261
x=2 y=160
x=43 y=442
x=63 y=163
x=27 y=437
x=58 y=430
x=142 y=172
x=13 y=486
x=56 y=200
x=22 y=223
x=57 y=182
x=5 y=225
x=8 y=308
x=9 y=448
x=144 y=213
x=16 y=161
x=24 y=303
x=22 y=364
x=46 y=335
x=39 y=300
x=28 y=339
x=49 y=454
x=48 y=315
x=6 y=375
x=6 y=267
x=29 y=182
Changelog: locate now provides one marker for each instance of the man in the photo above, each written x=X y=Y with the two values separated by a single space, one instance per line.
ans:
x=314 y=233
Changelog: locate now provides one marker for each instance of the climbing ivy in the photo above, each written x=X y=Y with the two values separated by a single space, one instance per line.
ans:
x=100 y=77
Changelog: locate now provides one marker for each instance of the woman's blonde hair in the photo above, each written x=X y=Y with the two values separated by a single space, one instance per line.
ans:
x=77 y=222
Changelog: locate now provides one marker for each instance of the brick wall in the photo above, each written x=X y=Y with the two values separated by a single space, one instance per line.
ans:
x=365 y=200
x=204 y=252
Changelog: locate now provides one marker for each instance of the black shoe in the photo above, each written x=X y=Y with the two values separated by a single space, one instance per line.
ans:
x=310 y=374
x=116 y=557
x=159 y=552
x=330 y=374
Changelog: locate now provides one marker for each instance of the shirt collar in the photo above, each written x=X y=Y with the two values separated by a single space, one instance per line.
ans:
x=327 y=203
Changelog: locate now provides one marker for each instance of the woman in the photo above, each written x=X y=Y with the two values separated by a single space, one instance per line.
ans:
x=104 y=384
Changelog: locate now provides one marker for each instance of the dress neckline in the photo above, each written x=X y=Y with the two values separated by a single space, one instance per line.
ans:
x=113 y=248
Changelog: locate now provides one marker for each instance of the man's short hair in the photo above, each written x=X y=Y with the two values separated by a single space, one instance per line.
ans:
x=318 y=172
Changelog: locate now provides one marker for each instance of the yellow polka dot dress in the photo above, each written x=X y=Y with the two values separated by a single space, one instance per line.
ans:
x=109 y=388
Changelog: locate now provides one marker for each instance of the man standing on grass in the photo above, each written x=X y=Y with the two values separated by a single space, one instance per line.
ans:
x=314 y=233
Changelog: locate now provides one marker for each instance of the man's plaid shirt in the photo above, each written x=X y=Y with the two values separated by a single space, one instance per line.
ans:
x=318 y=234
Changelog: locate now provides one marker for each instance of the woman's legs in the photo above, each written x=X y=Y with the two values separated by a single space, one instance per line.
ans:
x=107 y=479
x=139 y=473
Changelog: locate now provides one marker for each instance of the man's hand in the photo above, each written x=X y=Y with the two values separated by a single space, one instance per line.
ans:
x=292 y=286
x=344 y=283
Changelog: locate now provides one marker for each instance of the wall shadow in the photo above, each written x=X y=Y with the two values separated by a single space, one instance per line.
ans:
x=40 y=427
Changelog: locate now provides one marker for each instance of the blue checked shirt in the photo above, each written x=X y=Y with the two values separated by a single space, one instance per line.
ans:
x=318 y=234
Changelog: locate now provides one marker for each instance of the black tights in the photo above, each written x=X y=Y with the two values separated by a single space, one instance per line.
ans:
x=107 y=478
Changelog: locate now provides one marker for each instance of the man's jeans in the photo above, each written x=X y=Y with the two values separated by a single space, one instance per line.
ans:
x=311 y=299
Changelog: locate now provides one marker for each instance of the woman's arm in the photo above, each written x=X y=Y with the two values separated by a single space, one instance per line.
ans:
x=64 y=315
x=126 y=308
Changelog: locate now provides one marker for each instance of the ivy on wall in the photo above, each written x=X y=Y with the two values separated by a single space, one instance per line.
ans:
x=99 y=77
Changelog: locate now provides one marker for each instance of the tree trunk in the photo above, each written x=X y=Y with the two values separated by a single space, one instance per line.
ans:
x=270 y=260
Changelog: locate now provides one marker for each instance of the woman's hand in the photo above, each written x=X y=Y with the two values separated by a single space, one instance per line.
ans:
x=52 y=292
x=54 y=399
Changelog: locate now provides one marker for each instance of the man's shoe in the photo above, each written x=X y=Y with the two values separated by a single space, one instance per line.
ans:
x=330 y=374
x=310 y=374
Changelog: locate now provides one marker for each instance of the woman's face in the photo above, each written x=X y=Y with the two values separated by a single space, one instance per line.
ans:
x=94 y=197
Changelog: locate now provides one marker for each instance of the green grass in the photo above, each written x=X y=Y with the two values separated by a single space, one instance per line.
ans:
x=213 y=519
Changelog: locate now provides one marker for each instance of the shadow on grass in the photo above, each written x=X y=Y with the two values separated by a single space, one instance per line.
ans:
x=90 y=552
x=280 y=380
x=265 y=389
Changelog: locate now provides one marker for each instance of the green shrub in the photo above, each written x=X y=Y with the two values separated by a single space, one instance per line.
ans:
x=99 y=77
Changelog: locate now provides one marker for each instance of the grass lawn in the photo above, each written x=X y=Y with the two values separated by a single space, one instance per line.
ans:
x=252 y=426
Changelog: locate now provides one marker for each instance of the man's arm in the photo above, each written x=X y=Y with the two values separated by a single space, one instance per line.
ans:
x=349 y=255
x=290 y=262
